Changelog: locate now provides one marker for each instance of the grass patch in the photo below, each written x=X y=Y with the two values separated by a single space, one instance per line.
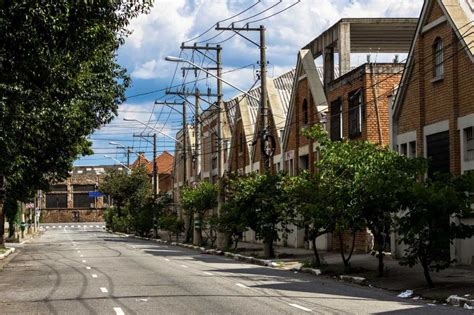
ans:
x=3 y=250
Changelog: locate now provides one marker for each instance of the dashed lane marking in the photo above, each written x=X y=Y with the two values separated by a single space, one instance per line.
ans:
x=241 y=285
x=167 y=259
x=94 y=275
x=84 y=261
x=207 y=273
x=81 y=255
x=88 y=268
x=118 y=311
x=104 y=290
x=184 y=266
x=300 y=307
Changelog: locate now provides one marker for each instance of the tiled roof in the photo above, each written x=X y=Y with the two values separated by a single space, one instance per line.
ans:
x=140 y=161
x=164 y=163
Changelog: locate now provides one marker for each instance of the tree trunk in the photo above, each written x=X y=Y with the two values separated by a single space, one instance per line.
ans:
x=2 y=211
x=316 y=254
x=197 y=239
x=426 y=272
x=268 y=251
x=341 y=249
x=11 y=229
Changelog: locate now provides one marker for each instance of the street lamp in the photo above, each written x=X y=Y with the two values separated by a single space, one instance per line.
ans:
x=176 y=59
x=117 y=161
x=153 y=128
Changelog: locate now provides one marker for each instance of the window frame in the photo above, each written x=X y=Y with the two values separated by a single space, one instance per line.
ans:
x=305 y=111
x=438 y=59
x=356 y=113
x=336 y=117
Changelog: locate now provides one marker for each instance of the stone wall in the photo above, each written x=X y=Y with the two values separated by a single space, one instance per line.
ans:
x=71 y=215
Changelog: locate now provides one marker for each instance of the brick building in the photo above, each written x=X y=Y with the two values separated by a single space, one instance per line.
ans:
x=71 y=201
x=351 y=102
x=433 y=113
x=164 y=165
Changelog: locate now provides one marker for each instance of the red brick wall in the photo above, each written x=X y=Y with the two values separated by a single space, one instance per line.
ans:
x=428 y=102
x=239 y=159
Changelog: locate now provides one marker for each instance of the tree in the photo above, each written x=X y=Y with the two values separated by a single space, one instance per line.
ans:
x=232 y=222
x=310 y=205
x=133 y=202
x=260 y=197
x=197 y=201
x=433 y=221
x=60 y=81
x=12 y=214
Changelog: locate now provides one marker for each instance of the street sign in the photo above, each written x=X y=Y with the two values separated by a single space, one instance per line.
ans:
x=95 y=194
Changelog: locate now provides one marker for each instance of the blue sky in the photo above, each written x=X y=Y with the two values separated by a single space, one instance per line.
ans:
x=171 y=22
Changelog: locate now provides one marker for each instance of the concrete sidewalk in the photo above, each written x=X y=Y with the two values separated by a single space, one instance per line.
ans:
x=457 y=280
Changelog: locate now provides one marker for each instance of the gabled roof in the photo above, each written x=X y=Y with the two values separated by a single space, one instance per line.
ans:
x=305 y=66
x=141 y=161
x=457 y=16
x=164 y=163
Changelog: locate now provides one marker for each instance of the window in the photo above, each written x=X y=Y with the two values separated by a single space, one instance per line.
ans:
x=438 y=67
x=58 y=187
x=56 y=201
x=412 y=149
x=403 y=149
x=356 y=113
x=290 y=167
x=305 y=112
x=83 y=187
x=304 y=162
x=336 y=120
x=469 y=144
x=437 y=151
x=82 y=200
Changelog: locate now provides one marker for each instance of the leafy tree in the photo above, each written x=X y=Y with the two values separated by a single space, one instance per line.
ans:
x=172 y=224
x=197 y=201
x=60 y=81
x=432 y=221
x=232 y=222
x=310 y=205
x=134 y=206
x=260 y=197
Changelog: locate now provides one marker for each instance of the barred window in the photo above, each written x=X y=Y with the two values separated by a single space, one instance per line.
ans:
x=438 y=67
x=241 y=143
x=336 y=120
x=356 y=113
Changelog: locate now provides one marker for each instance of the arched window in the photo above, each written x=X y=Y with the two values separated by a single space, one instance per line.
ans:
x=305 y=112
x=438 y=62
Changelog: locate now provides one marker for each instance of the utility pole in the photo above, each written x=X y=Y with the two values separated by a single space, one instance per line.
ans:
x=267 y=147
x=129 y=149
x=155 y=168
x=197 y=133
x=184 y=142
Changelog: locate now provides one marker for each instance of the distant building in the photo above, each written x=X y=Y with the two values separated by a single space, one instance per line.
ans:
x=164 y=164
x=77 y=198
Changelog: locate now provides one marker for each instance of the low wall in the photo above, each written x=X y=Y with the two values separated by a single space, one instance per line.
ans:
x=71 y=215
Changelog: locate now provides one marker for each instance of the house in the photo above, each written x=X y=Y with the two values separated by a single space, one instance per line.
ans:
x=164 y=166
x=433 y=112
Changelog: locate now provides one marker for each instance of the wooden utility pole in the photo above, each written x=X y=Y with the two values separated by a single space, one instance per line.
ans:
x=184 y=142
x=197 y=144
x=267 y=147
x=155 y=170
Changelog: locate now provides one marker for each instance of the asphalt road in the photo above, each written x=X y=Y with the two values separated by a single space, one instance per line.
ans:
x=84 y=270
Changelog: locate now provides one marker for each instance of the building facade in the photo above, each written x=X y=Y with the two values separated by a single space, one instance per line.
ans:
x=433 y=113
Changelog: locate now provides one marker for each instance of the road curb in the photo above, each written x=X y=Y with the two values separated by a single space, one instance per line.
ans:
x=7 y=253
x=460 y=301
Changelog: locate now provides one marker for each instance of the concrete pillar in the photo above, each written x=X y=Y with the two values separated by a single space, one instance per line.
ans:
x=328 y=58
x=344 y=48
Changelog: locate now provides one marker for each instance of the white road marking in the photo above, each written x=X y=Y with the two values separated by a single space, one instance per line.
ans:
x=78 y=251
x=88 y=268
x=91 y=226
x=60 y=226
x=94 y=275
x=184 y=266
x=118 y=311
x=54 y=226
x=96 y=226
x=241 y=285
x=167 y=259
x=81 y=255
x=207 y=273
x=300 y=307
x=84 y=261
x=104 y=290
x=47 y=227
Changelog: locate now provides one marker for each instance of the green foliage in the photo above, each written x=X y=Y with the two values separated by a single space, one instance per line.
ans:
x=433 y=221
x=232 y=222
x=199 y=199
x=261 y=199
x=305 y=195
x=60 y=81
x=172 y=224
x=12 y=214
x=134 y=208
